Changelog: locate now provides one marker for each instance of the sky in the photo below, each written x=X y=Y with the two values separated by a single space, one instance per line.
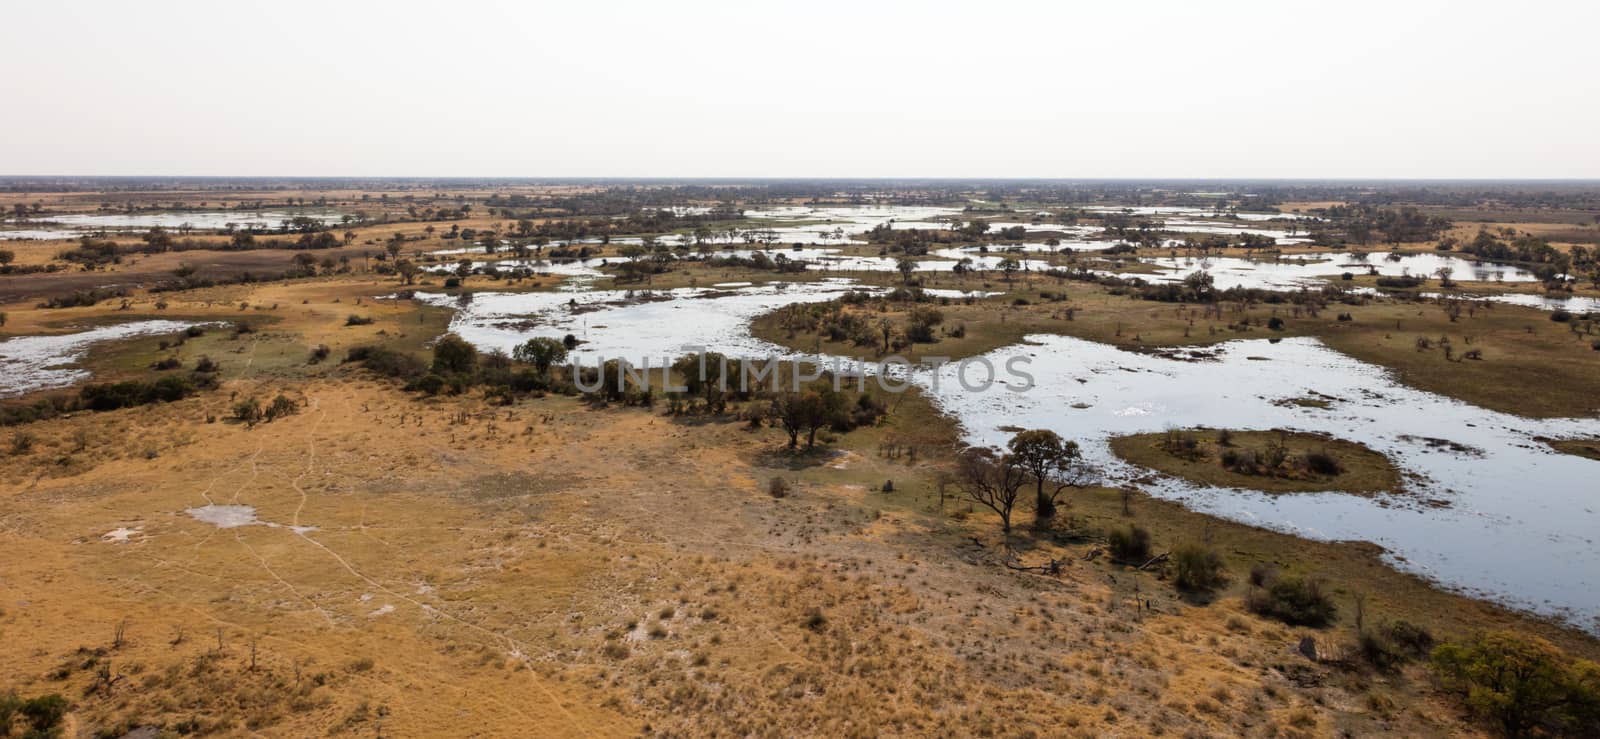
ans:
x=866 y=88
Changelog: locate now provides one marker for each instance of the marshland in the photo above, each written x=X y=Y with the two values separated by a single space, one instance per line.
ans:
x=1279 y=457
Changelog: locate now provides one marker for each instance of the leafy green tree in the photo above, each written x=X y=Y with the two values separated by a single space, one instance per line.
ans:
x=453 y=355
x=542 y=352
x=906 y=266
x=1523 y=684
x=408 y=270
x=1052 y=463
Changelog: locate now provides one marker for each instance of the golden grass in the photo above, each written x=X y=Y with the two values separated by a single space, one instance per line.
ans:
x=549 y=569
x=1581 y=447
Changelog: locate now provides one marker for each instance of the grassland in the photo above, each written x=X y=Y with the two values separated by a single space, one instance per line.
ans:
x=451 y=565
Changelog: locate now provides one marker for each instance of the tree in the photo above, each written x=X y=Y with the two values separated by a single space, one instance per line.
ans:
x=992 y=481
x=1053 y=464
x=453 y=355
x=706 y=375
x=906 y=265
x=1522 y=683
x=542 y=352
x=806 y=412
x=408 y=270
x=7 y=256
x=1009 y=267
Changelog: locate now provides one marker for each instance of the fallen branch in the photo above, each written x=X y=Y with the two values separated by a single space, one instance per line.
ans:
x=1159 y=558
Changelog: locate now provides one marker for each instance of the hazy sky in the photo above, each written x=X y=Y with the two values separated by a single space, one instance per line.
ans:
x=791 y=89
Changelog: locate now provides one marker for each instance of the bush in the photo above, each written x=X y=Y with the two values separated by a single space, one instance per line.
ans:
x=431 y=384
x=247 y=411
x=206 y=365
x=1402 y=281
x=21 y=443
x=778 y=487
x=1293 y=601
x=319 y=353
x=387 y=362
x=1523 y=684
x=1198 y=570
x=1129 y=544
x=43 y=714
x=111 y=396
x=170 y=363
x=281 y=407
x=1275 y=323
x=1323 y=463
x=355 y=320
x=453 y=355
x=1390 y=645
x=1560 y=316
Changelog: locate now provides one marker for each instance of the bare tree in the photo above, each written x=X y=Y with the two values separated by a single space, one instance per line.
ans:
x=992 y=481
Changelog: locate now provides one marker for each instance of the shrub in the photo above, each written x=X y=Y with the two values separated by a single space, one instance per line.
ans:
x=170 y=363
x=1401 y=281
x=431 y=384
x=247 y=411
x=241 y=328
x=815 y=620
x=43 y=714
x=1198 y=570
x=1523 y=684
x=21 y=443
x=778 y=487
x=1560 y=316
x=206 y=365
x=111 y=396
x=1323 y=463
x=387 y=362
x=1275 y=323
x=1392 y=644
x=280 y=407
x=319 y=353
x=1294 y=601
x=194 y=332
x=1129 y=544
x=355 y=320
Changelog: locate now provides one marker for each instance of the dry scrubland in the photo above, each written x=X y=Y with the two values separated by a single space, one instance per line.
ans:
x=444 y=566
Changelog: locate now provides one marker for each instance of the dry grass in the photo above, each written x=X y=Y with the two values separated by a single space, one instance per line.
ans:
x=443 y=566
